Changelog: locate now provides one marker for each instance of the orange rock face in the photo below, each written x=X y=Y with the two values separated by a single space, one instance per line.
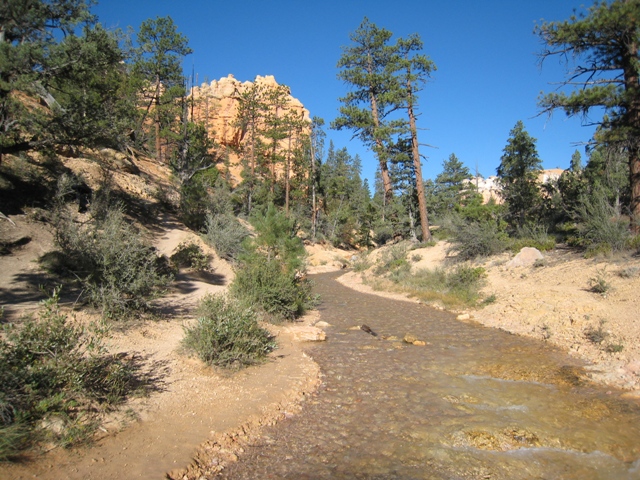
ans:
x=216 y=106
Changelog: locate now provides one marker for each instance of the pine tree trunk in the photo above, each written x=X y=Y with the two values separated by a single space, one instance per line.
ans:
x=384 y=169
x=314 y=215
x=634 y=180
x=415 y=151
x=157 y=121
x=633 y=120
x=287 y=173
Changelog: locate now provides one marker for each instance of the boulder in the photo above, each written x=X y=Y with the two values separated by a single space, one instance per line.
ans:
x=525 y=258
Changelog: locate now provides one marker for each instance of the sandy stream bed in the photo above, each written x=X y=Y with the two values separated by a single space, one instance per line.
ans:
x=204 y=418
x=554 y=303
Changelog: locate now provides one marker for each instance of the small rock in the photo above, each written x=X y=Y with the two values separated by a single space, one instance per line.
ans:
x=409 y=338
x=322 y=324
x=419 y=343
x=463 y=316
x=307 y=334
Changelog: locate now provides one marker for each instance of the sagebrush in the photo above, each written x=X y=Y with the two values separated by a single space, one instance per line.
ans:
x=54 y=370
x=119 y=271
x=227 y=334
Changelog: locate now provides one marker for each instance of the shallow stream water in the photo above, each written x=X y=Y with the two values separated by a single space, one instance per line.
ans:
x=473 y=403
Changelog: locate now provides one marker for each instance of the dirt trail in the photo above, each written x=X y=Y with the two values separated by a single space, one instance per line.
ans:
x=191 y=403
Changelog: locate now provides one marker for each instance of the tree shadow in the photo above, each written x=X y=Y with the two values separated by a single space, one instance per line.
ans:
x=148 y=375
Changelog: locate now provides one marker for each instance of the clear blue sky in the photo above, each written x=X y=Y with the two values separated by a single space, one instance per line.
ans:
x=485 y=51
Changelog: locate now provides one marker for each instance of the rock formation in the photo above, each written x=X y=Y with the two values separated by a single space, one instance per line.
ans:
x=216 y=105
x=489 y=187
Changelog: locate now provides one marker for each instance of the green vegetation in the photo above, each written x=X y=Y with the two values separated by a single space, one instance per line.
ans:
x=596 y=335
x=56 y=378
x=473 y=239
x=600 y=284
x=190 y=255
x=269 y=272
x=128 y=95
x=227 y=334
x=454 y=287
x=115 y=266
x=603 y=44
x=518 y=177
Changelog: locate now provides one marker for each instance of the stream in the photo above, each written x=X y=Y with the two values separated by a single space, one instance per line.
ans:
x=473 y=402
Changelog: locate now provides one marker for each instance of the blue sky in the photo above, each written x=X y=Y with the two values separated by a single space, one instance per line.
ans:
x=487 y=75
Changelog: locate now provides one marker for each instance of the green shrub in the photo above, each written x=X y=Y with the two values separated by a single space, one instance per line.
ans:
x=195 y=198
x=533 y=236
x=596 y=335
x=601 y=226
x=119 y=271
x=462 y=277
x=225 y=233
x=460 y=286
x=361 y=262
x=280 y=292
x=472 y=239
x=599 y=283
x=190 y=255
x=393 y=259
x=51 y=368
x=614 y=348
x=629 y=272
x=490 y=299
x=227 y=334
x=270 y=271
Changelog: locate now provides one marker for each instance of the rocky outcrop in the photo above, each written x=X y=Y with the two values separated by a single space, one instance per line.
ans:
x=216 y=104
x=489 y=187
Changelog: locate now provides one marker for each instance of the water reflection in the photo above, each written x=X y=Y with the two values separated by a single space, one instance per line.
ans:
x=472 y=402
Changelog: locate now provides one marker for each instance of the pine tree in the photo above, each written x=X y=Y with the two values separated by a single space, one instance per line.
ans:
x=518 y=175
x=451 y=185
x=159 y=62
x=414 y=69
x=76 y=78
x=375 y=93
x=605 y=44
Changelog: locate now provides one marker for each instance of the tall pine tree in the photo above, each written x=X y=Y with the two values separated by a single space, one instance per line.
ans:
x=604 y=44
x=518 y=176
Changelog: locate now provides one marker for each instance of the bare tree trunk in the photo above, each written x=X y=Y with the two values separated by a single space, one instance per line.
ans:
x=422 y=201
